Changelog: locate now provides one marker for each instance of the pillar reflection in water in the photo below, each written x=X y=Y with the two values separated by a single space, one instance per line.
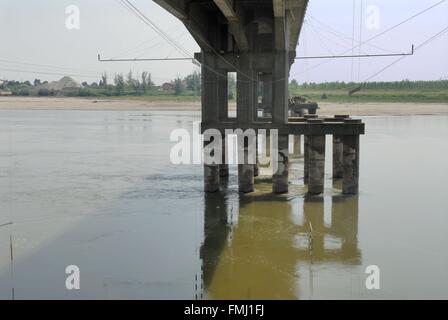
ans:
x=259 y=256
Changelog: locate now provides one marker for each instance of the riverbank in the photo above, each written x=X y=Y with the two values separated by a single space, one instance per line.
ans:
x=327 y=108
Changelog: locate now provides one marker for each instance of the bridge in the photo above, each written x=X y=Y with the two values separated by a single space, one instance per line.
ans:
x=257 y=40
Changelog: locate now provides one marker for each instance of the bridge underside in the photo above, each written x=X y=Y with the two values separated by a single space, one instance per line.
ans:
x=257 y=40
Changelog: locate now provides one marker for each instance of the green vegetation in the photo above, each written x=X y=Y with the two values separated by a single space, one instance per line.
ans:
x=141 y=87
x=400 y=91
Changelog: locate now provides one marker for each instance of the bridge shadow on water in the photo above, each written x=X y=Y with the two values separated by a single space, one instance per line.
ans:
x=258 y=248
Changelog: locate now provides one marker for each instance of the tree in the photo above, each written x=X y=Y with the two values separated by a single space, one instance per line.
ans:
x=84 y=84
x=178 y=87
x=130 y=79
x=37 y=82
x=232 y=86
x=103 y=81
x=119 y=84
x=294 y=84
x=193 y=82
x=145 y=81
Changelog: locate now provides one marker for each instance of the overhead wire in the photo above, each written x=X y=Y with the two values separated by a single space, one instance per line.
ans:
x=377 y=35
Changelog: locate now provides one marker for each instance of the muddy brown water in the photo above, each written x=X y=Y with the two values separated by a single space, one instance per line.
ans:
x=96 y=189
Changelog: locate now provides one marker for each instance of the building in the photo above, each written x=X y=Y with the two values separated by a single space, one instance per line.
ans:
x=167 y=86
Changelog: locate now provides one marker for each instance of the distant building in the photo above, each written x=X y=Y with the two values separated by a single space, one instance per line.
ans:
x=167 y=86
x=4 y=91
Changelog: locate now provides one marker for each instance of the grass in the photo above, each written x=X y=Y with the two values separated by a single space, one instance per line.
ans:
x=369 y=95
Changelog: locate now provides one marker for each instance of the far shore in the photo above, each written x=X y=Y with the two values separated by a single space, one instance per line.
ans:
x=326 y=108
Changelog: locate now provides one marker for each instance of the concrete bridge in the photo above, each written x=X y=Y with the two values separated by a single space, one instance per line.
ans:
x=257 y=40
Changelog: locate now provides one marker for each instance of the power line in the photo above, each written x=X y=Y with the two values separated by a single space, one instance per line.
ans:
x=46 y=66
x=377 y=35
x=48 y=73
x=421 y=45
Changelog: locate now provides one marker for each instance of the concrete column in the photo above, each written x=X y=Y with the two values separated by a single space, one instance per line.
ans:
x=338 y=147
x=256 y=169
x=245 y=171
x=246 y=103
x=316 y=164
x=210 y=100
x=280 y=88
x=280 y=177
x=297 y=145
x=224 y=167
x=306 y=158
x=350 y=182
x=223 y=95
x=306 y=153
x=211 y=174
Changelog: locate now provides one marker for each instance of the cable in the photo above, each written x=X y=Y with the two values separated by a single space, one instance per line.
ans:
x=179 y=48
x=423 y=44
x=46 y=66
x=345 y=37
x=48 y=73
x=376 y=36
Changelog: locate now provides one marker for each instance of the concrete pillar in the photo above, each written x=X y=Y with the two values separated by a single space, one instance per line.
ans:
x=224 y=167
x=211 y=174
x=338 y=147
x=246 y=96
x=210 y=94
x=297 y=145
x=280 y=88
x=316 y=164
x=256 y=169
x=306 y=153
x=350 y=182
x=245 y=171
x=306 y=156
x=280 y=177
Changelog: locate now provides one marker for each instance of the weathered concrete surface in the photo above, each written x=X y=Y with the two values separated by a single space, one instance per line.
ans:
x=211 y=171
x=297 y=148
x=338 y=147
x=306 y=158
x=211 y=178
x=245 y=178
x=224 y=167
x=316 y=164
x=245 y=169
x=350 y=182
x=280 y=177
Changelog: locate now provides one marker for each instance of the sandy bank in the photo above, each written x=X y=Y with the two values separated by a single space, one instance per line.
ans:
x=360 y=109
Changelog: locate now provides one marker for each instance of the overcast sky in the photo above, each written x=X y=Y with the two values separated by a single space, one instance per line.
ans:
x=35 y=42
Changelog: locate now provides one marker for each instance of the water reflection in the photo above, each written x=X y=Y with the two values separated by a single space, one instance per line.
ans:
x=260 y=255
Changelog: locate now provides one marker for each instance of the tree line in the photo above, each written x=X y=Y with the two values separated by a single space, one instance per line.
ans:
x=395 y=85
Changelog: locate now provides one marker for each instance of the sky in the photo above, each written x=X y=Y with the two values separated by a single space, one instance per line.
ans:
x=36 y=43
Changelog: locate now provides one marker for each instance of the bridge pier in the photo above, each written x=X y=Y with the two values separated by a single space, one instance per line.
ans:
x=258 y=40
x=211 y=172
x=338 y=147
x=245 y=168
x=316 y=161
x=224 y=166
x=280 y=177
x=350 y=182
